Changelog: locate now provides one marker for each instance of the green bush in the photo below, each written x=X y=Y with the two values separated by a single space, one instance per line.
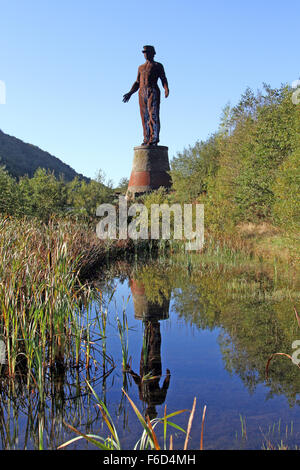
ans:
x=191 y=169
x=286 y=188
x=9 y=195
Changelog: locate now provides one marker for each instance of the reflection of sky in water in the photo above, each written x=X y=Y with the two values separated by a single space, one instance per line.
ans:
x=195 y=361
x=2 y=352
x=197 y=369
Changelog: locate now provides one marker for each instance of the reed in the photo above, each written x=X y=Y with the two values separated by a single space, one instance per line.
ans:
x=148 y=439
x=41 y=296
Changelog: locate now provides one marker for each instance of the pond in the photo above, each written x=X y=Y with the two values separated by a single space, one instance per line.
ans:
x=184 y=330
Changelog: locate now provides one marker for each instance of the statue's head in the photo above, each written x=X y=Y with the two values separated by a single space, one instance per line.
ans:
x=149 y=52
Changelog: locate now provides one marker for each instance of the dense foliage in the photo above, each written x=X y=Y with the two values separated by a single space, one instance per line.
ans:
x=249 y=169
x=44 y=195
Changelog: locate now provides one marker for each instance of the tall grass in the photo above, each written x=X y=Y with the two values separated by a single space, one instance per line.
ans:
x=148 y=439
x=49 y=320
x=41 y=296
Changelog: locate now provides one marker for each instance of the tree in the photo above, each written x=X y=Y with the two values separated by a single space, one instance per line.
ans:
x=9 y=194
x=123 y=185
x=191 y=169
x=43 y=195
x=286 y=209
x=83 y=197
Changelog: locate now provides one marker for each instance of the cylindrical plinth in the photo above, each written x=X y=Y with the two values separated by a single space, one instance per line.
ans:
x=143 y=308
x=149 y=170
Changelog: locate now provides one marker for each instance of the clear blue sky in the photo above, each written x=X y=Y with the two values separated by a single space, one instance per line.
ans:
x=67 y=63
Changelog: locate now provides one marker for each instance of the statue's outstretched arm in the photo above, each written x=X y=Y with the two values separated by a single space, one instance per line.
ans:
x=135 y=376
x=134 y=88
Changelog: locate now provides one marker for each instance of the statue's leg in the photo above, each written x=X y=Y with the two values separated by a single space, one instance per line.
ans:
x=153 y=110
x=143 y=102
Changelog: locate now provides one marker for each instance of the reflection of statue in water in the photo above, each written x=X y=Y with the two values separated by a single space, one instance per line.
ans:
x=149 y=95
x=151 y=371
x=148 y=381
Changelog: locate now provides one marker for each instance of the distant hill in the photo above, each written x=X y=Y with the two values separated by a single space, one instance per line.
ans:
x=21 y=158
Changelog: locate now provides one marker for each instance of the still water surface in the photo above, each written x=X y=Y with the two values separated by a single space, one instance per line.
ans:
x=206 y=334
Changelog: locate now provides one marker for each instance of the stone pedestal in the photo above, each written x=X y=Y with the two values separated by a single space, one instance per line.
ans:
x=143 y=308
x=149 y=170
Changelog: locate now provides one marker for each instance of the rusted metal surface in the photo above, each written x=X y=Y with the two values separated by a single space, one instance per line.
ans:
x=149 y=95
x=149 y=170
x=151 y=392
x=139 y=178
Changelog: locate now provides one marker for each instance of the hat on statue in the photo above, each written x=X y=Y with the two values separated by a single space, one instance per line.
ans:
x=149 y=49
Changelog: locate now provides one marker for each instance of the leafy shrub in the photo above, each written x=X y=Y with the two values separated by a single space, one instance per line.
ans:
x=286 y=209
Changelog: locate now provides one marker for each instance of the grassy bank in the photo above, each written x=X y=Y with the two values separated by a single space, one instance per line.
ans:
x=269 y=242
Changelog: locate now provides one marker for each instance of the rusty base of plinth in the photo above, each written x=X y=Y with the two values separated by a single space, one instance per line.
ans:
x=143 y=308
x=150 y=170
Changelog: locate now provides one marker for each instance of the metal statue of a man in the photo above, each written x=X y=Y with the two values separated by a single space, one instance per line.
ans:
x=149 y=95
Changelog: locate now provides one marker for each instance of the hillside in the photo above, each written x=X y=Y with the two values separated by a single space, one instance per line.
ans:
x=21 y=158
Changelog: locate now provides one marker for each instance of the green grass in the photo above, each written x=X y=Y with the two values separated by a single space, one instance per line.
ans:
x=42 y=298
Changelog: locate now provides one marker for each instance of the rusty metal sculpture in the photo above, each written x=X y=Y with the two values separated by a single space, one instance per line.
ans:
x=149 y=95
x=148 y=381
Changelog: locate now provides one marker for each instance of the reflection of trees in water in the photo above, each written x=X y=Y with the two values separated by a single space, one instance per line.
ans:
x=252 y=335
x=252 y=309
x=253 y=327
x=107 y=280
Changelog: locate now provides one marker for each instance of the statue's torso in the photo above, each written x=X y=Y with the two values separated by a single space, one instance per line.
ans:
x=149 y=74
